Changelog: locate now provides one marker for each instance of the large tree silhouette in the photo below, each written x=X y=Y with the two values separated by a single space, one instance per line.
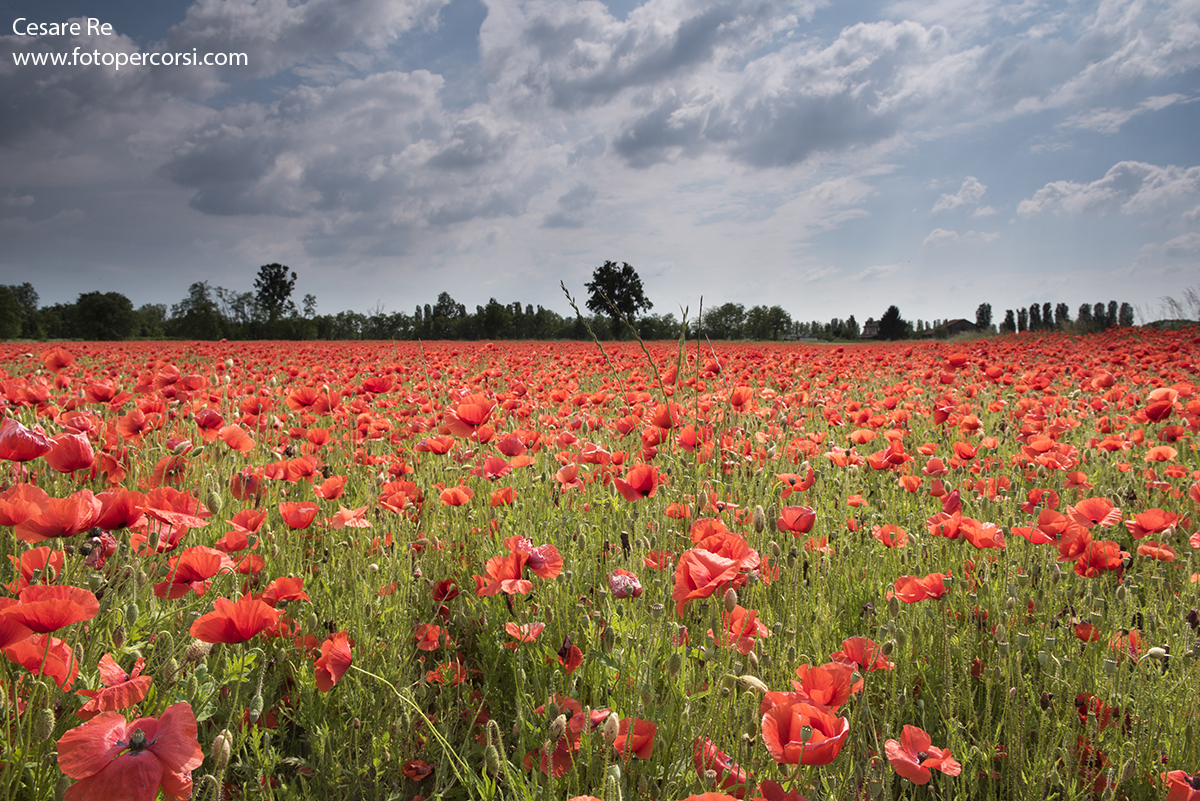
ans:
x=616 y=291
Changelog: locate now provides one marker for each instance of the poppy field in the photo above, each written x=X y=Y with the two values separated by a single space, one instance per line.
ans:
x=663 y=570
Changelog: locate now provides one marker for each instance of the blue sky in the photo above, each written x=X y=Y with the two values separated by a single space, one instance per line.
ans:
x=832 y=158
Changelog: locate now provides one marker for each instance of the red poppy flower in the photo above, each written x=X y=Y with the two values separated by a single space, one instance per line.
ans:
x=416 y=769
x=298 y=514
x=115 y=758
x=911 y=589
x=45 y=563
x=246 y=484
x=120 y=508
x=740 y=628
x=334 y=661
x=20 y=502
x=11 y=631
x=19 y=444
x=729 y=775
x=349 y=518
x=331 y=489
x=890 y=535
x=1181 y=786
x=1151 y=521
x=1095 y=512
x=635 y=737
x=1100 y=557
x=800 y=732
x=457 y=495
x=623 y=584
x=543 y=560
x=981 y=535
x=47 y=607
x=70 y=452
x=504 y=575
x=796 y=519
x=121 y=690
x=527 y=632
x=641 y=481
x=469 y=415
x=428 y=637
x=1156 y=550
x=505 y=496
x=569 y=656
x=699 y=574
x=43 y=655
x=231 y=622
x=863 y=653
x=61 y=517
x=913 y=756
x=828 y=685
x=192 y=570
x=285 y=588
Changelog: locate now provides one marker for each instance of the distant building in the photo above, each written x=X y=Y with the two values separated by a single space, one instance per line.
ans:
x=955 y=327
x=870 y=329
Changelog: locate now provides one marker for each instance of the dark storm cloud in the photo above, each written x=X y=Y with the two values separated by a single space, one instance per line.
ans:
x=572 y=208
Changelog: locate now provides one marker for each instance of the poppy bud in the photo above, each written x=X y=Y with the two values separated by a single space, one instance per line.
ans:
x=759 y=519
x=169 y=670
x=901 y=637
x=674 y=664
x=558 y=728
x=491 y=760
x=893 y=606
x=648 y=695
x=612 y=784
x=43 y=724
x=60 y=789
x=748 y=682
x=1121 y=593
x=118 y=637
x=221 y=750
x=775 y=552
x=753 y=657
x=256 y=707
x=731 y=600
x=193 y=686
x=607 y=640
x=196 y=651
x=1157 y=653
x=612 y=727
x=214 y=501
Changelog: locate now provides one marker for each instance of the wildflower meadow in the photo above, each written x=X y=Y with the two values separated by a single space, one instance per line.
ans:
x=547 y=570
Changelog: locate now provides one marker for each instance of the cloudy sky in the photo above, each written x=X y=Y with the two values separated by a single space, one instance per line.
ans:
x=830 y=157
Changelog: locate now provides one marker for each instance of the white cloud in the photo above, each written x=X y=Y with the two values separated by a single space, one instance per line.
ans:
x=1183 y=245
x=940 y=236
x=1130 y=187
x=970 y=192
x=1110 y=119
x=984 y=211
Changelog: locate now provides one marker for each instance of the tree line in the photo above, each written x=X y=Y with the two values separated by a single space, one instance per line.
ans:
x=616 y=299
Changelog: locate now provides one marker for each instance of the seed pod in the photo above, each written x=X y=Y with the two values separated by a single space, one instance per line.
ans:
x=759 y=519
